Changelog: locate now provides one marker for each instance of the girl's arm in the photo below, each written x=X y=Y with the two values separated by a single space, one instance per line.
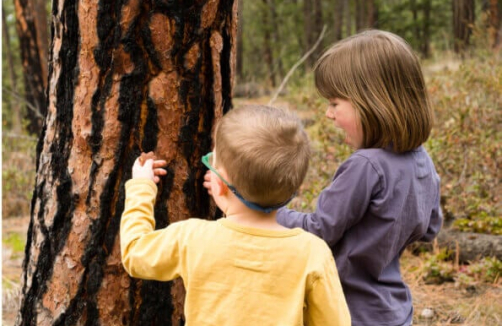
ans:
x=340 y=205
x=436 y=220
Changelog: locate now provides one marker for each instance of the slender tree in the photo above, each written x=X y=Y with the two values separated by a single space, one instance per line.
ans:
x=463 y=20
x=338 y=17
x=495 y=28
x=15 y=108
x=30 y=27
x=124 y=77
x=239 y=72
x=348 y=18
x=268 y=53
x=312 y=25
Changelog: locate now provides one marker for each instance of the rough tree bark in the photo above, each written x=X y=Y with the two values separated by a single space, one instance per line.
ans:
x=29 y=28
x=124 y=77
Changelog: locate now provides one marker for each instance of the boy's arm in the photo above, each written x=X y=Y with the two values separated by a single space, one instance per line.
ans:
x=147 y=253
x=326 y=303
x=340 y=205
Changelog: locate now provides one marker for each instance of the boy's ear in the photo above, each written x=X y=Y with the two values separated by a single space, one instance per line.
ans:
x=222 y=187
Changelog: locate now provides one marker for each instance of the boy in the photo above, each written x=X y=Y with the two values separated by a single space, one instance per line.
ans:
x=244 y=269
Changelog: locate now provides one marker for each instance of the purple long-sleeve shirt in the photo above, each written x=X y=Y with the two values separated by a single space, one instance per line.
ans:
x=377 y=204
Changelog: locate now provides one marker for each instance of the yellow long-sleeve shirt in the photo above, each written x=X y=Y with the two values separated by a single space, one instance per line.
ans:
x=233 y=275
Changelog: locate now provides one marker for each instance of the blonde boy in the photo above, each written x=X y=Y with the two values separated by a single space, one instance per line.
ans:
x=244 y=269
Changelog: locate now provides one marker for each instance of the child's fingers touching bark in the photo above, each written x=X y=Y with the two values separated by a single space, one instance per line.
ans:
x=148 y=169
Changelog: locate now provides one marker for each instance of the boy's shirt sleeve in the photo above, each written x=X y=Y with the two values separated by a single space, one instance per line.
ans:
x=325 y=302
x=146 y=253
x=340 y=205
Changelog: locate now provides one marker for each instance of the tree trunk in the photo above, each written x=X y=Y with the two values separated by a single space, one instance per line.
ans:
x=318 y=25
x=239 y=72
x=494 y=23
x=35 y=76
x=338 y=16
x=15 y=108
x=360 y=15
x=308 y=25
x=372 y=13
x=425 y=39
x=125 y=77
x=268 y=54
x=348 y=18
x=276 y=37
x=40 y=17
x=463 y=19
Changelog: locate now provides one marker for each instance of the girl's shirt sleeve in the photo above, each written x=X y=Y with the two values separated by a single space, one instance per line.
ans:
x=340 y=205
x=146 y=253
x=436 y=220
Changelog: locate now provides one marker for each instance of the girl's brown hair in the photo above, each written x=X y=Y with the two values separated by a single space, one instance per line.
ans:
x=265 y=152
x=380 y=74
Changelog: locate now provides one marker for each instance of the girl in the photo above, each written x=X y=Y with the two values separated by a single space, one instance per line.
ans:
x=386 y=194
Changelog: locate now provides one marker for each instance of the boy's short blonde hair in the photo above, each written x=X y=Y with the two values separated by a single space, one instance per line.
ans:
x=265 y=152
x=381 y=76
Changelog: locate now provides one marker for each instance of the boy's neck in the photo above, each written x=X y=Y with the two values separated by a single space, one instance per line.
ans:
x=256 y=220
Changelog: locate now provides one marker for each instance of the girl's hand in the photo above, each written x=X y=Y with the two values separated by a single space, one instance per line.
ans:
x=151 y=169
x=207 y=182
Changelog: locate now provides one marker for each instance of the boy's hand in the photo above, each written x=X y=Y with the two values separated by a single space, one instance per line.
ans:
x=207 y=182
x=150 y=169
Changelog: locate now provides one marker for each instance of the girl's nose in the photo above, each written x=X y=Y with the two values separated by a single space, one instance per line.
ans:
x=330 y=113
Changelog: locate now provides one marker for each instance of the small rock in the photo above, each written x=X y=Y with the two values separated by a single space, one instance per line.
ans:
x=427 y=313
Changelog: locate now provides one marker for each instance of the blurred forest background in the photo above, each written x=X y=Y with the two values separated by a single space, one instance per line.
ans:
x=459 y=43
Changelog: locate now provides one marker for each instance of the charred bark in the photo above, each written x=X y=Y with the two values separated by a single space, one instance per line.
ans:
x=125 y=77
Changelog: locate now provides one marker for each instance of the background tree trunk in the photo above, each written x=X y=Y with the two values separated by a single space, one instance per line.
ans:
x=494 y=28
x=267 y=45
x=16 y=115
x=239 y=72
x=425 y=39
x=35 y=75
x=40 y=17
x=348 y=18
x=313 y=23
x=463 y=19
x=338 y=17
x=277 y=38
x=125 y=77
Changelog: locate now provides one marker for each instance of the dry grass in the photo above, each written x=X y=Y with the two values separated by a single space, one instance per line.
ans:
x=453 y=304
